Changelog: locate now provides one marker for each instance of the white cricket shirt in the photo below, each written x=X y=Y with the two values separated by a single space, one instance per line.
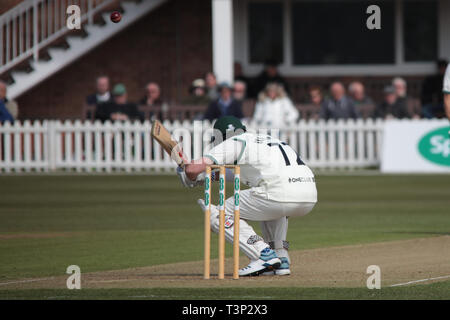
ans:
x=270 y=167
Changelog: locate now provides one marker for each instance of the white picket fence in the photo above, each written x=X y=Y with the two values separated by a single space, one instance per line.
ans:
x=124 y=146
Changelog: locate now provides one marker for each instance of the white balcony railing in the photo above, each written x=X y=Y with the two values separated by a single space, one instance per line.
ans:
x=34 y=24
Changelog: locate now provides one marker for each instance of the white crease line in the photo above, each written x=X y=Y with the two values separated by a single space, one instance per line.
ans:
x=24 y=281
x=417 y=281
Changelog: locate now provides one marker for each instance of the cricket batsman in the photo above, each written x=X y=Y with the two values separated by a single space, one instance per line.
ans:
x=280 y=186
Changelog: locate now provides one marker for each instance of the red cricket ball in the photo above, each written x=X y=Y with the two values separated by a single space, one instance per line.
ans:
x=116 y=17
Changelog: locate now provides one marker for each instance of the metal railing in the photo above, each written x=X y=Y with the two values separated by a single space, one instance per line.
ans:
x=34 y=24
x=127 y=146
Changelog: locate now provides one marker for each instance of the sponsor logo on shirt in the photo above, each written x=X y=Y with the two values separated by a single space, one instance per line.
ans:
x=302 y=179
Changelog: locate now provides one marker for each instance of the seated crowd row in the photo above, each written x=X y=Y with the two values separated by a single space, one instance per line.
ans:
x=264 y=99
x=273 y=107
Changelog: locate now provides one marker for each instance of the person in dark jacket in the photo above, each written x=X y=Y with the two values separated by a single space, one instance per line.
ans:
x=212 y=89
x=152 y=95
x=102 y=95
x=404 y=100
x=391 y=107
x=225 y=105
x=198 y=95
x=339 y=106
x=239 y=75
x=357 y=93
x=432 y=98
x=4 y=113
x=119 y=108
x=315 y=101
x=9 y=110
x=270 y=74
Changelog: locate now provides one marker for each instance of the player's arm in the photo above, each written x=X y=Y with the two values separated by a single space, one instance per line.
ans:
x=192 y=174
x=227 y=152
x=196 y=167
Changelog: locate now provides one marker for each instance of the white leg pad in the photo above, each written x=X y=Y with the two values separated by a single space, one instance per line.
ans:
x=249 y=242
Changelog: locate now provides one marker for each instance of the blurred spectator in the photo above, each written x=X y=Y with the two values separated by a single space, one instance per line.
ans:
x=403 y=100
x=315 y=95
x=274 y=109
x=339 y=106
x=152 y=95
x=226 y=105
x=268 y=75
x=119 y=108
x=357 y=92
x=315 y=101
x=212 y=90
x=198 y=94
x=432 y=99
x=239 y=90
x=9 y=110
x=102 y=95
x=239 y=76
x=364 y=104
x=390 y=108
x=400 y=87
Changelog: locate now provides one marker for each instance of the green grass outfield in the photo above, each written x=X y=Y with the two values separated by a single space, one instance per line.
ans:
x=109 y=222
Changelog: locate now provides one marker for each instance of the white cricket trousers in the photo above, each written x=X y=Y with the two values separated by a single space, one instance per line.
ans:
x=272 y=214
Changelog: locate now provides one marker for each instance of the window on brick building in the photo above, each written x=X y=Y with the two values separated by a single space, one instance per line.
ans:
x=420 y=30
x=322 y=37
x=336 y=33
x=265 y=31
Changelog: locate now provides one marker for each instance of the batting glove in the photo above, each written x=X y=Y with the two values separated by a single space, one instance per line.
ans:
x=185 y=181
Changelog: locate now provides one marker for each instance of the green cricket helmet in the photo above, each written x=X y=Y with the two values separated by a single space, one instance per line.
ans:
x=228 y=126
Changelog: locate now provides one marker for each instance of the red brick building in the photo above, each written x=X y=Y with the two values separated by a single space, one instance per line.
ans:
x=314 y=43
x=171 y=45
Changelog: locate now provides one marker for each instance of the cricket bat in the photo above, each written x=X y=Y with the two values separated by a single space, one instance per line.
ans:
x=170 y=145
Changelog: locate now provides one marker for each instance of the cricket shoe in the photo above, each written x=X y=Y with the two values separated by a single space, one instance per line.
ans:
x=283 y=270
x=268 y=261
